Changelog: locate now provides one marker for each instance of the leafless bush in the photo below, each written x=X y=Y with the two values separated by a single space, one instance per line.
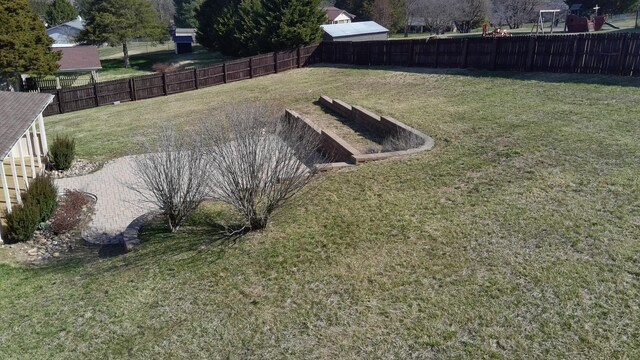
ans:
x=69 y=213
x=258 y=159
x=166 y=67
x=173 y=173
x=402 y=141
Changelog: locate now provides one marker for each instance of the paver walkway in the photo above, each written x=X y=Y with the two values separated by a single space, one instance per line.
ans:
x=117 y=205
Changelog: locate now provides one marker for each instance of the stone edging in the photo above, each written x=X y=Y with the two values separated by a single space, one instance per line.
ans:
x=345 y=154
x=130 y=237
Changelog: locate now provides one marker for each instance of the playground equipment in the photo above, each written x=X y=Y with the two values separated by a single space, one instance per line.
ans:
x=539 y=25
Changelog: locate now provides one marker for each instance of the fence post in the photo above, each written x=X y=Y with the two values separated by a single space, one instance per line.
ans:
x=298 y=56
x=531 y=53
x=250 y=68
x=465 y=50
x=195 y=77
x=275 y=61
x=132 y=86
x=95 y=93
x=164 y=83
x=224 y=72
x=60 y=104
x=494 y=54
x=353 y=53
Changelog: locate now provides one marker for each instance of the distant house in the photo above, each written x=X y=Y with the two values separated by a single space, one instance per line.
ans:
x=337 y=16
x=65 y=35
x=184 y=39
x=357 y=31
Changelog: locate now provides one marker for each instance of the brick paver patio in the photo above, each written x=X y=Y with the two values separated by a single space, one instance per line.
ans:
x=117 y=205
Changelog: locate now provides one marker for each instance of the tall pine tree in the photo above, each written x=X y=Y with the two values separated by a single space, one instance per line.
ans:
x=116 y=22
x=59 y=12
x=186 y=11
x=286 y=24
x=25 y=47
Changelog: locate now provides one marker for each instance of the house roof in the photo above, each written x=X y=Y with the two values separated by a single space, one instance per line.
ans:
x=17 y=112
x=184 y=35
x=334 y=12
x=79 y=58
x=354 y=28
x=76 y=24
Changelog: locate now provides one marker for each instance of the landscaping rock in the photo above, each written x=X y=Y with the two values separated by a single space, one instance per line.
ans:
x=78 y=168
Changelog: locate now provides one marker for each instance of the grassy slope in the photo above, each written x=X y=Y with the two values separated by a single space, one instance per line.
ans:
x=517 y=235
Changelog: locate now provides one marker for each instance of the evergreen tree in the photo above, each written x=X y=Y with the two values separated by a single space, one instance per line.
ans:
x=186 y=11
x=289 y=23
x=25 y=47
x=217 y=25
x=388 y=13
x=39 y=7
x=116 y=22
x=59 y=12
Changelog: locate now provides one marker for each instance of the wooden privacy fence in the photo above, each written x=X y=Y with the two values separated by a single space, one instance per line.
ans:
x=614 y=54
x=162 y=84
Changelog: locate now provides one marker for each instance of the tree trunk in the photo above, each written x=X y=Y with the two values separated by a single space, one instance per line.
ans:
x=125 y=51
x=406 y=30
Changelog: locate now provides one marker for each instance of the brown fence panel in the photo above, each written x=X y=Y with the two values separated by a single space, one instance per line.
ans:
x=450 y=52
x=180 y=81
x=511 y=53
x=479 y=52
x=631 y=60
x=378 y=53
x=399 y=53
x=78 y=98
x=287 y=60
x=601 y=54
x=425 y=53
x=263 y=65
x=112 y=91
x=210 y=75
x=554 y=53
x=238 y=70
x=362 y=52
x=309 y=55
x=54 y=107
x=148 y=86
x=343 y=52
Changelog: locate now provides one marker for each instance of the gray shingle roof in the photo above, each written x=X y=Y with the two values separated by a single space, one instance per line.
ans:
x=354 y=28
x=17 y=113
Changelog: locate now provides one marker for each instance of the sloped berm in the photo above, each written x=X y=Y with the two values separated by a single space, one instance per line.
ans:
x=400 y=140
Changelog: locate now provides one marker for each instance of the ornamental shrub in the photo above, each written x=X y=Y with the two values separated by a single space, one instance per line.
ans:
x=22 y=222
x=62 y=152
x=43 y=194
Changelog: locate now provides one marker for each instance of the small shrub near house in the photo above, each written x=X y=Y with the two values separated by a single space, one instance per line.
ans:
x=62 y=152
x=38 y=205
x=42 y=194
x=22 y=222
x=70 y=212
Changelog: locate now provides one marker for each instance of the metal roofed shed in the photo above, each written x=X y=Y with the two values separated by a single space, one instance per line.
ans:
x=355 y=31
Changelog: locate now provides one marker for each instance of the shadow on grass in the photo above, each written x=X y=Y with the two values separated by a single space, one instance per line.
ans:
x=199 y=57
x=549 y=77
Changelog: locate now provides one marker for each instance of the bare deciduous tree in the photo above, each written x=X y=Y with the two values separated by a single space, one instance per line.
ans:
x=173 y=175
x=438 y=14
x=258 y=160
x=514 y=13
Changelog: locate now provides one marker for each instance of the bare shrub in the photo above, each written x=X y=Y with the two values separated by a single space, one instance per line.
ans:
x=70 y=211
x=172 y=174
x=165 y=67
x=402 y=141
x=259 y=159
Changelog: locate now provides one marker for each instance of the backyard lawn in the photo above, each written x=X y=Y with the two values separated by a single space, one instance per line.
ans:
x=517 y=236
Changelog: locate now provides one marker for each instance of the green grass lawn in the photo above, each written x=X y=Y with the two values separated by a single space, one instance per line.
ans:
x=144 y=55
x=517 y=236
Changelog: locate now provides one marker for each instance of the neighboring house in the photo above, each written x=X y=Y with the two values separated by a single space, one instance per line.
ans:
x=337 y=16
x=74 y=61
x=184 y=39
x=23 y=145
x=357 y=31
x=65 y=35
x=417 y=24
